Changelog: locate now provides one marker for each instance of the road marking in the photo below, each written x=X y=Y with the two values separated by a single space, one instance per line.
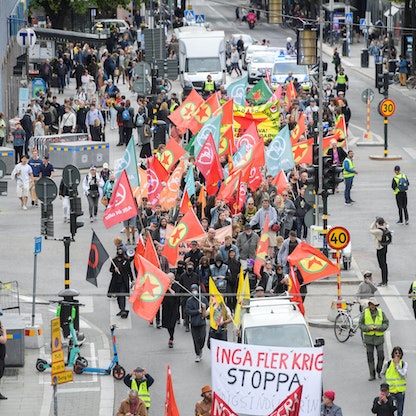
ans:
x=81 y=390
x=399 y=309
x=411 y=151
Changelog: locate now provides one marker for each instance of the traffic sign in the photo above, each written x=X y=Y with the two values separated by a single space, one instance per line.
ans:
x=71 y=176
x=46 y=190
x=56 y=334
x=387 y=107
x=26 y=37
x=58 y=367
x=199 y=18
x=348 y=18
x=363 y=23
x=38 y=245
x=58 y=356
x=64 y=377
x=190 y=15
x=367 y=94
x=338 y=238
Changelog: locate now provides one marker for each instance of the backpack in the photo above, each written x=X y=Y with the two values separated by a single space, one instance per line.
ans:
x=139 y=120
x=125 y=115
x=403 y=184
x=386 y=238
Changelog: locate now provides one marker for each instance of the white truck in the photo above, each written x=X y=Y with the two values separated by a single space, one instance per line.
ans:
x=201 y=53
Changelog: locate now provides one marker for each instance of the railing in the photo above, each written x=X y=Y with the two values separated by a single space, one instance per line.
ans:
x=42 y=143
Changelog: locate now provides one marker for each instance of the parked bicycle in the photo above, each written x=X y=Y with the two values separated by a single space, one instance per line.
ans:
x=411 y=82
x=346 y=324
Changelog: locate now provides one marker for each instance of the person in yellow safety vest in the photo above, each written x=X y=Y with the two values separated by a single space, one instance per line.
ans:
x=373 y=322
x=412 y=294
x=395 y=372
x=348 y=173
x=140 y=380
x=341 y=81
x=400 y=184
x=209 y=86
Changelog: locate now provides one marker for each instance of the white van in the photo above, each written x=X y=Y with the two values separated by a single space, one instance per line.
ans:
x=275 y=321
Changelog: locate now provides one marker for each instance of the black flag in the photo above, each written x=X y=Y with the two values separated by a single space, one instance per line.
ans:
x=98 y=256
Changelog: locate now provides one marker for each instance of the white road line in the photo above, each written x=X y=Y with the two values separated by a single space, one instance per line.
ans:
x=411 y=151
x=399 y=309
x=75 y=390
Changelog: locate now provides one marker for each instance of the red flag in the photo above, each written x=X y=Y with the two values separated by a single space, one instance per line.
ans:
x=150 y=252
x=241 y=197
x=139 y=251
x=187 y=228
x=289 y=406
x=170 y=192
x=255 y=178
x=294 y=290
x=229 y=186
x=312 y=263
x=280 y=181
x=290 y=93
x=299 y=129
x=220 y=407
x=181 y=116
x=122 y=205
x=203 y=113
x=149 y=290
x=156 y=179
x=326 y=141
x=185 y=203
x=227 y=112
x=98 y=256
x=254 y=157
x=172 y=153
x=208 y=163
x=341 y=126
x=302 y=152
x=250 y=138
x=227 y=146
x=171 y=409
x=262 y=248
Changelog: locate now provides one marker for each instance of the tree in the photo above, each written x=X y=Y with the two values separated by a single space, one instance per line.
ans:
x=60 y=10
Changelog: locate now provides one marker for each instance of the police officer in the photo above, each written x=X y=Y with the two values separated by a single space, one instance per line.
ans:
x=373 y=322
x=209 y=86
x=348 y=173
x=140 y=380
x=341 y=81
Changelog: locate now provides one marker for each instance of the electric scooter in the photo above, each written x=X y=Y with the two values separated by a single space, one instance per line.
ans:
x=115 y=368
x=74 y=353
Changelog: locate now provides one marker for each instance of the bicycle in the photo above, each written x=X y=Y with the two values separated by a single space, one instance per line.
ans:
x=346 y=325
x=411 y=82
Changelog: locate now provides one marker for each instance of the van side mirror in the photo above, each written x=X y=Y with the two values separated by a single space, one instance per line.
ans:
x=319 y=342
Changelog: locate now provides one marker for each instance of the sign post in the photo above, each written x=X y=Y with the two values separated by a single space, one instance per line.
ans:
x=26 y=38
x=338 y=238
x=386 y=109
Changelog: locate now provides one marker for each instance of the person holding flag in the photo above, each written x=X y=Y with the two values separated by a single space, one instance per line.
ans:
x=120 y=281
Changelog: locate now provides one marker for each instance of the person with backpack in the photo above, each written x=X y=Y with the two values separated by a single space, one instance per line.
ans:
x=127 y=115
x=382 y=238
x=400 y=185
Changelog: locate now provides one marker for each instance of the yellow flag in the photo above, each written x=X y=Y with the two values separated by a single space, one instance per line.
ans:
x=243 y=297
x=216 y=301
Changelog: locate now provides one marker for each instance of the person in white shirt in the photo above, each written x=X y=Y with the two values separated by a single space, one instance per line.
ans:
x=68 y=122
x=23 y=175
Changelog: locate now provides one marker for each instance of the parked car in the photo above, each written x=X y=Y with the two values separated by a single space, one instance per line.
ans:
x=107 y=25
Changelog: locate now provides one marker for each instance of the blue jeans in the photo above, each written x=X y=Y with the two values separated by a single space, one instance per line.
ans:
x=348 y=186
x=399 y=397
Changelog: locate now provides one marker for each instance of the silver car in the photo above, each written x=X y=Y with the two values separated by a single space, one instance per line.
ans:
x=261 y=62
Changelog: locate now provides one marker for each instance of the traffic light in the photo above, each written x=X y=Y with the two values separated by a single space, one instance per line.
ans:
x=336 y=179
x=46 y=220
x=330 y=174
x=313 y=170
x=379 y=76
x=76 y=211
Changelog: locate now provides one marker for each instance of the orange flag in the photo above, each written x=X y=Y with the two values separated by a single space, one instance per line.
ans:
x=294 y=290
x=187 y=228
x=326 y=141
x=183 y=114
x=302 y=152
x=262 y=248
x=170 y=192
x=202 y=198
x=341 y=126
x=299 y=129
x=171 y=409
x=185 y=203
x=312 y=263
x=150 y=252
x=149 y=290
x=229 y=186
x=172 y=153
x=290 y=93
x=203 y=113
x=280 y=181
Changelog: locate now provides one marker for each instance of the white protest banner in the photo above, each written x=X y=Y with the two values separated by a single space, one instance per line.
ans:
x=255 y=380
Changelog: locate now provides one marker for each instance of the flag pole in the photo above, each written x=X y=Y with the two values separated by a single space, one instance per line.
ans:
x=188 y=291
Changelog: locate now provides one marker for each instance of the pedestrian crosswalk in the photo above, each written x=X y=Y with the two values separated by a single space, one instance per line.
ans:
x=399 y=309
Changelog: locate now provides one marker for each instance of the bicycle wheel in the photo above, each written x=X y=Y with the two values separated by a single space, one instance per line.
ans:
x=410 y=83
x=342 y=327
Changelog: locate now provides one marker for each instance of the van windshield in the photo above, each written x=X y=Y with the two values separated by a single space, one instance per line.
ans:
x=203 y=65
x=286 y=67
x=278 y=336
